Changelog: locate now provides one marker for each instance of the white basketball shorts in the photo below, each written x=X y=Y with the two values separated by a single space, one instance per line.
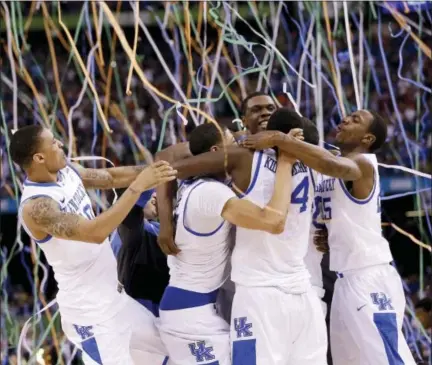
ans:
x=270 y=327
x=366 y=318
x=128 y=338
x=195 y=335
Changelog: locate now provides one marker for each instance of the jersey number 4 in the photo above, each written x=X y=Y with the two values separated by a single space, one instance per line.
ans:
x=300 y=194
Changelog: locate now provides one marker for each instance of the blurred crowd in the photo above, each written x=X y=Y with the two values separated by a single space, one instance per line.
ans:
x=409 y=128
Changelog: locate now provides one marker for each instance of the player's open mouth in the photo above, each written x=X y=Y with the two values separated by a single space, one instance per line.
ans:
x=263 y=124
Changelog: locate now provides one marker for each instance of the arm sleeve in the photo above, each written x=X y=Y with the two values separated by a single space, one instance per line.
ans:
x=144 y=198
x=205 y=205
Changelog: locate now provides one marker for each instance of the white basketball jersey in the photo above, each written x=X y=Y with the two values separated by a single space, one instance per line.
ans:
x=263 y=259
x=203 y=263
x=86 y=273
x=354 y=225
x=313 y=256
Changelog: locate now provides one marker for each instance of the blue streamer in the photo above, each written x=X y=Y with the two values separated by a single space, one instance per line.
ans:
x=331 y=87
x=399 y=72
x=395 y=196
x=92 y=75
x=370 y=58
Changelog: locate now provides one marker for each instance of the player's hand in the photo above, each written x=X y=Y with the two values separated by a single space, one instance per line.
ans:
x=261 y=140
x=296 y=133
x=156 y=174
x=320 y=240
x=166 y=242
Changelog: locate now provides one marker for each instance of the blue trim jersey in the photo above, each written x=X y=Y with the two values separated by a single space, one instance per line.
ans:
x=264 y=259
x=354 y=225
x=203 y=236
x=86 y=273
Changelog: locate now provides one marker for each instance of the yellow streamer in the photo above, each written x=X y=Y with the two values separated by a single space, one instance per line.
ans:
x=129 y=78
x=84 y=70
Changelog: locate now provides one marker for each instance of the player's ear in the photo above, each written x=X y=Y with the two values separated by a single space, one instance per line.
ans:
x=368 y=139
x=214 y=148
x=38 y=158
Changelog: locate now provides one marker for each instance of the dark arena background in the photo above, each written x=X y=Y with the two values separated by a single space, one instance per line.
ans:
x=326 y=58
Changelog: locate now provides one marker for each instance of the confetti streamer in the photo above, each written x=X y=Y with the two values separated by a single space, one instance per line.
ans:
x=255 y=46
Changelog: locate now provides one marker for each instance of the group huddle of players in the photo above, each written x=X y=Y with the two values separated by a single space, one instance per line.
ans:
x=239 y=219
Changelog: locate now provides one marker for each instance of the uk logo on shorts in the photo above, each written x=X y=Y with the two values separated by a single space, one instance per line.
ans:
x=84 y=331
x=242 y=328
x=201 y=352
x=381 y=300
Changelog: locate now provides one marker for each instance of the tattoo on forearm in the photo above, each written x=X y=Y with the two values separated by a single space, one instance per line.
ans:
x=137 y=168
x=46 y=214
x=110 y=178
x=94 y=178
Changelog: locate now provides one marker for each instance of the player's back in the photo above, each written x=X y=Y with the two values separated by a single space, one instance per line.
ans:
x=85 y=273
x=205 y=245
x=263 y=259
x=354 y=225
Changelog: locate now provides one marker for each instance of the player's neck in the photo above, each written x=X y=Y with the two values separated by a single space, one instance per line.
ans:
x=350 y=151
x=41 y=176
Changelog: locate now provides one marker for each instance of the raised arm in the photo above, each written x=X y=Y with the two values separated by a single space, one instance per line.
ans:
x=109 y=178
x=211 y=163
x=43 y=216
x=272 y=217
x=165 y=197
x=315 y=157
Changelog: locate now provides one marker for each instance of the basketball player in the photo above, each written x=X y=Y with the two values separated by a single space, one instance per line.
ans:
x=255 y=110
x=108 y=325
x=190 y=327
x=268 y=269
x=368 y=303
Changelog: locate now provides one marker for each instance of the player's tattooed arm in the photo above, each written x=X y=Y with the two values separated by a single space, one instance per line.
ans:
x=109 y=178
x=43 y=217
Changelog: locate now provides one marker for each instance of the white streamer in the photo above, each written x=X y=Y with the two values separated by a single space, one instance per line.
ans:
x=97 y=158
x=303 y=60
x=406 y=169
x=164 y=65
x=318 y=92
x=275 y=34
x=271 y=46
x=78 y=102
x=351 y=55
x=361 y=57
x=180 y=115
x=291 y=99
x=12 y=62
x=25 y=329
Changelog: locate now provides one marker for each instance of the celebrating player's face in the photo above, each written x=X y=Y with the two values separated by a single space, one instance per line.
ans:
x=258 y=112
x=354 y=129
x=50 y=152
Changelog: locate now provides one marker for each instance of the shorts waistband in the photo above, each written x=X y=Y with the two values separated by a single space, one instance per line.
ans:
x=176 y=298
x=341 y=275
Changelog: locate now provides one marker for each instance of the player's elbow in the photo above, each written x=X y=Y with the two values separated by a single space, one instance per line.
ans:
x=95 y=238
x=275 y=223
x=93 y=233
